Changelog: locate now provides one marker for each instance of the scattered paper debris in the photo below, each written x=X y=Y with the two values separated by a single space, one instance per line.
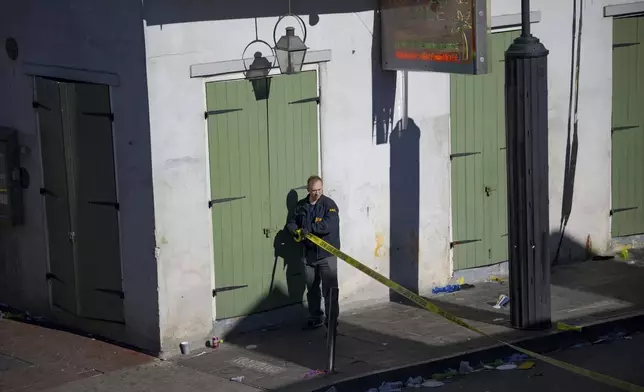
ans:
x=514 y=358
x=496 y=279
x=450 y=288
x=526 y=365
x=465 y=368
x=313 y=373
x=251 y=347
x=433 y=384
x=414 y=382
x=502 y=301
x=568 y=327
x=395 y=386
x=443 y=376
x=237 y=379
x=507 y=366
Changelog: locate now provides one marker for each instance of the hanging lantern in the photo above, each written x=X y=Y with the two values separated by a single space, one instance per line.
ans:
x=259 y=68
x=290 y=51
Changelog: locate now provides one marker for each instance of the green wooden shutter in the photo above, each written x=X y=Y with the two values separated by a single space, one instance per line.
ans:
x=293 y=154
x=98 y=259
x=478 y=168
x=61 y=274
x=263 y=146
x=240 y=192
x=628 y=127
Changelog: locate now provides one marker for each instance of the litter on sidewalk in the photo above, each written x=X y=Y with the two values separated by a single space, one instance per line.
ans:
x=496 y=279
x=450 y=288
x=502 y=301
x=568 y=327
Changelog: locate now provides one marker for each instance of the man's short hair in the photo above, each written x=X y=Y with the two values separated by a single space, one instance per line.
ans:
x=313 y=179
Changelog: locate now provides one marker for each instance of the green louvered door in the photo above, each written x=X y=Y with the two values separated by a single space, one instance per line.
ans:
x=479 y=195
x=80 y=198
x=628 y=127
x=263 y=143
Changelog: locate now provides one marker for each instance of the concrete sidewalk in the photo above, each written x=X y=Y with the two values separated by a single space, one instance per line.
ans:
x=373 y=339
x=392 y=335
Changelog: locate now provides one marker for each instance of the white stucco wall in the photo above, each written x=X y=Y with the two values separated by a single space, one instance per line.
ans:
x=591 y=202
x=355 y=168
x=100 y=37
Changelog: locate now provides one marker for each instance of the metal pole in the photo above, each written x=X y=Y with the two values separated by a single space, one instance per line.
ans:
x=332 y=319
x=526 y=105
x=405 y=100
x=525 y=18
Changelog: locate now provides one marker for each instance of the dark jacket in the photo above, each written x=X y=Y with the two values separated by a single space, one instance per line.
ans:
x=322 y=220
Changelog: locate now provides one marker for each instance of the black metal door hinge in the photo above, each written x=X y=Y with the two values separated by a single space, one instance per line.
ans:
x=613 y=211
x=456 y=243
x=223 y=200
x=38 y=105
x=112 y=204
x=229 y=288
x=120 y=293
x=98 y=114
x=463 y=154
x=215 y=112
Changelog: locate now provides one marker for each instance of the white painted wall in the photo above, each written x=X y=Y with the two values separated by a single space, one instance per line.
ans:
x=92 y=36
x=355 y=168
x=592 y=193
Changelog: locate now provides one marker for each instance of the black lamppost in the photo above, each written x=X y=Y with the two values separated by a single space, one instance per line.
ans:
x=526 y=105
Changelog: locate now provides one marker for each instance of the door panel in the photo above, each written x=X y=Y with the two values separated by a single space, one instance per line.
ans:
x=97 y=229
x=263 y=144
x=628 y=127
x=55 y=194
x=293 y=155
x=479 y=180
x=240 y=188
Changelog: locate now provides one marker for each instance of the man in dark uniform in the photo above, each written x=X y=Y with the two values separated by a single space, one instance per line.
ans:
x=318 y=214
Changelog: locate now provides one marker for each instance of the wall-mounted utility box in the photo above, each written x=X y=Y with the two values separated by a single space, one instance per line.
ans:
x=11 y=204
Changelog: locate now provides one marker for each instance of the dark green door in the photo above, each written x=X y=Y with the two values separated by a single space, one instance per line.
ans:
x=81 y=205
x=479 y=196
x=628 y=127
x=263 y=144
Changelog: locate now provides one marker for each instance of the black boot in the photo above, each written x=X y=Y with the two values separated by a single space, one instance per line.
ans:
x=313 y=323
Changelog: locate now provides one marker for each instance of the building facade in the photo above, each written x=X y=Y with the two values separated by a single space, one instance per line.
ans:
x=160 y=179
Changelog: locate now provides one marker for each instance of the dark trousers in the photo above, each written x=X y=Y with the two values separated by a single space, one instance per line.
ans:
x=323 y=271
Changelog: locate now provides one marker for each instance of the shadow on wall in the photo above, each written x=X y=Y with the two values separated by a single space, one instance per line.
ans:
x=572 y=140
x=291 y=253
x=404 y=194
x=567 y=249
x=160 y=12
x=282 y=302
x=383 y=90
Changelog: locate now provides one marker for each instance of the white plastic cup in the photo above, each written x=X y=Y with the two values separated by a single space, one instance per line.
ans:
x=185 y=348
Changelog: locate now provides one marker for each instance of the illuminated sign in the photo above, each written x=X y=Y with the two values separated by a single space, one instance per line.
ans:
x=435 y=35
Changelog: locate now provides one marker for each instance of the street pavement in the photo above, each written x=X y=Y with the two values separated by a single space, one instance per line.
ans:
x=620 y=358
x=371 y=340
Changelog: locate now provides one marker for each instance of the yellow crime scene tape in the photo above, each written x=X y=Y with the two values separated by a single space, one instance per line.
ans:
x=602 y=378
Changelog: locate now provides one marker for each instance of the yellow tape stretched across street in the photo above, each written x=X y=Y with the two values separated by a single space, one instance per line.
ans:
x=602 y=378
